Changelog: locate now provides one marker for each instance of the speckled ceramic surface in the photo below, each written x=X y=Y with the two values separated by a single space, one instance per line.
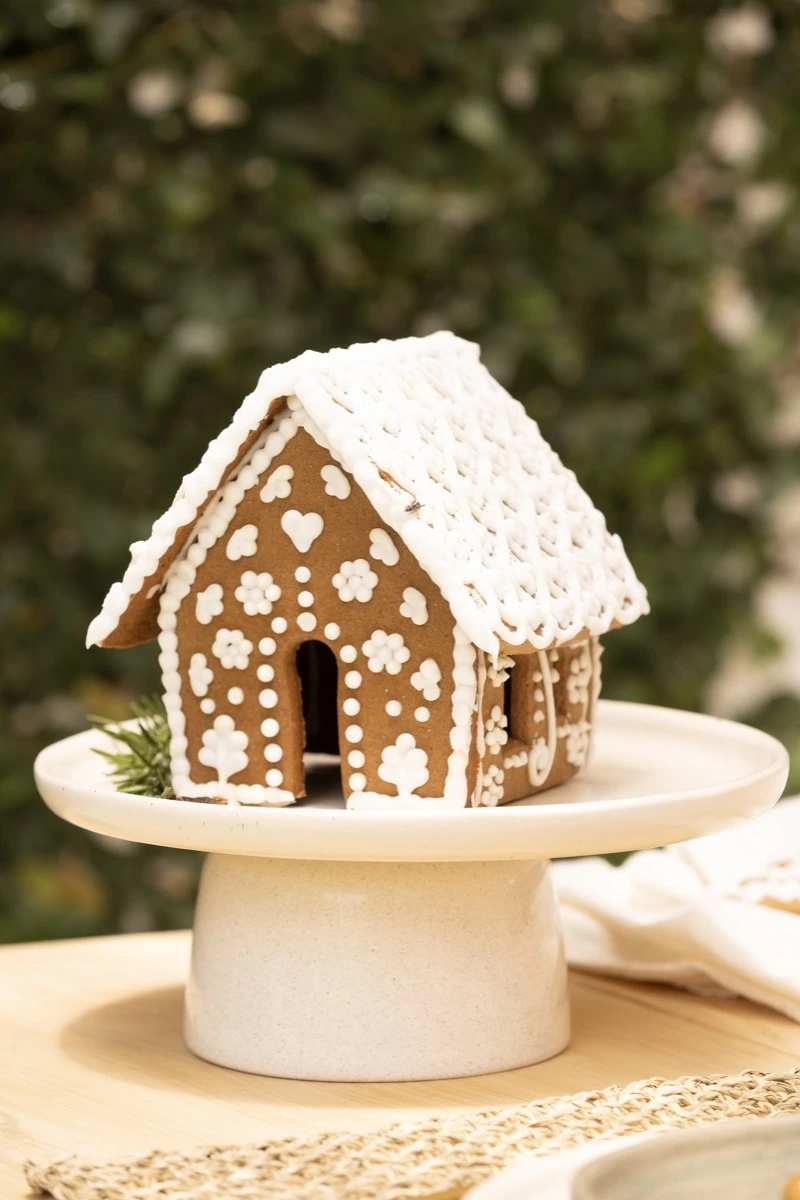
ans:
x=395 y=946
x=370 y=971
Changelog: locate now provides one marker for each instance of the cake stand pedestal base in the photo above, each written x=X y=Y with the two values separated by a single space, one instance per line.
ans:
x=376 y=971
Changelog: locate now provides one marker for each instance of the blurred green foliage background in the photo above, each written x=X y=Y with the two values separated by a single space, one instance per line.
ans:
x=601 y=192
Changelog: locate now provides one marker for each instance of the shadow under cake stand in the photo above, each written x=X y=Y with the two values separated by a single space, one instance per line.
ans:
x=364 y=946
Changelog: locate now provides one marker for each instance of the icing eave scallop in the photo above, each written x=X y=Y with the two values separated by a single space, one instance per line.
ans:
x=454 y=466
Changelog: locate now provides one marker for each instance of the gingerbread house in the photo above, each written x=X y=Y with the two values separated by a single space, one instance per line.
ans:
x=380 y=557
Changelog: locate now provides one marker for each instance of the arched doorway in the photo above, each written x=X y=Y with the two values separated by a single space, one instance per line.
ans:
x=318 y=676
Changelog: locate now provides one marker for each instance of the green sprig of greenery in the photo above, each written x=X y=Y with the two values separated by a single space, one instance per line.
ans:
x=141 y=766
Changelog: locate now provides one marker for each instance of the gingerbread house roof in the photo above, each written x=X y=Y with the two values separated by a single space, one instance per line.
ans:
x=450 y=462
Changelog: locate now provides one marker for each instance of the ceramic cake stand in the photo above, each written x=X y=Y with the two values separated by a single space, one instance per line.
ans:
x=395 y=946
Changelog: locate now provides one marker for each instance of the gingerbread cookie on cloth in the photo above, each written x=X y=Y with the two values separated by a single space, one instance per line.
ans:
x=379 y=558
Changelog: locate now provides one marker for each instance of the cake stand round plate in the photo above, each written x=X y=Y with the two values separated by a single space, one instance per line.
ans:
x=412 y=945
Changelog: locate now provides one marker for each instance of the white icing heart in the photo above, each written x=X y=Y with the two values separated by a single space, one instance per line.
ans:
x=302 y=528
x=336 y=482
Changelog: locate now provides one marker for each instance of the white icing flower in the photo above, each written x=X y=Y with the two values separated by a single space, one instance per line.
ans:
x=232 y=649
x=414 y=606
x=404 y=764
x=492 y=786
x=427 y=679
x=257 y=593
x=336 y=482
x=208 y=604
x=576 y=743
x=355 y=581
x=496 y=731
x=579 y=678
x=242 y=543
x=382 y=547
x=386 y=652
x=224 y=749
x=278 y=486
x=200 y=674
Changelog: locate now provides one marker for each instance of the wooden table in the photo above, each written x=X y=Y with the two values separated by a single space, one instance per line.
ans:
x=92 y=1060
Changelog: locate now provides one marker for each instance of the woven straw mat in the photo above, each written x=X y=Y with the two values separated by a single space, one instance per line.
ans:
x=439 y=1157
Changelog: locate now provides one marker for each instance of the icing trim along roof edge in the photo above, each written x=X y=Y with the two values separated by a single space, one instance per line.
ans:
x=471 y=539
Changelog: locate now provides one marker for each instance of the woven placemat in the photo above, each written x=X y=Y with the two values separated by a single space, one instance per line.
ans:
x=440 y=1157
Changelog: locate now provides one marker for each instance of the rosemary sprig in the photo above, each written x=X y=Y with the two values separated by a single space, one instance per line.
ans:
x=141 y=766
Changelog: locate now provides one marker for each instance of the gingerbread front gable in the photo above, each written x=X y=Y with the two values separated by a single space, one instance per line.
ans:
x=392 y=504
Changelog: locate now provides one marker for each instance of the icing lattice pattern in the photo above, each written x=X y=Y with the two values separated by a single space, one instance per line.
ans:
x=462 y=475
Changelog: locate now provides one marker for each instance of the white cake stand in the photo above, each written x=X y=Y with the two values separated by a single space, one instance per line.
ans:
x=395 y=946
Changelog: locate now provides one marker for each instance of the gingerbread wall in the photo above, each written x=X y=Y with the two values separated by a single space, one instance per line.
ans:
x=286 y=554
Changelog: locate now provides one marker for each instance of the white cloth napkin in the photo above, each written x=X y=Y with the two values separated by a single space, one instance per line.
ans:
x=664 y=914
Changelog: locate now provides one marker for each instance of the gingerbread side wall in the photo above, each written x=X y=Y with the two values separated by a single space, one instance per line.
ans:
x=291 y=551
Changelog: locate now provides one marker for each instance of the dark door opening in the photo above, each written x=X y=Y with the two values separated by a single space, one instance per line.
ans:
x=317 y=671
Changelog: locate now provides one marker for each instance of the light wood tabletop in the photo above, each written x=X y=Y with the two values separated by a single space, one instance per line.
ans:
x=92 y=1059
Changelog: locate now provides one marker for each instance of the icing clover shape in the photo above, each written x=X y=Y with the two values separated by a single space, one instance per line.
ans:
x=355 y=581
x=257 y=593
x=200 y=674
x=496 y=731
x=382 y=548
x=404 y=764
x=223 y=749
x=579 y=677
x=386 y=652
x=414 y=606
x=232 y=649
x=208 y=604
x=242 y=542
x=302 y=528
x=427 y=679
x=278 y=485
x=336 y=482
x=576 y=743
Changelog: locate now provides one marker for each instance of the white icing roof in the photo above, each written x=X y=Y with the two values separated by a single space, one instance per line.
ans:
x=513 y=542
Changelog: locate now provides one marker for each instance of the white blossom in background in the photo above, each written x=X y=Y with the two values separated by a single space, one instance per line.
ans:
x=743 y=32
x=224 y=749
x=760 y=204
x=386 y=652
x=257 y=593
x=737 y=490
x=731 y=311
x=200 y=674
x=342 y=19
x=736 y=133
x=404 y=765
x=232 y=649
x=784 y=425
x=355 y=581
x=216 y=110
x=154 y=93
x=519 y=84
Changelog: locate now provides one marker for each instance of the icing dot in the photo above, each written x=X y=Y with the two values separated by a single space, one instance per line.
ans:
x=273 y=753
x=353 y=733
x=357 y=782
x=274 y=777
x=307 y=621
x=356 y=758
x=268 y=645
x=422 y=713
x=353 y=678
x=394 y=708
x=302 y=574
x=279 y=625
x=305 y=599
x=268 y=698
x=235 y=695
x=207 y=705
x=270 y=727
x=348 y=654
x=265 y=673
x=351 y=706
x=332 y=631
